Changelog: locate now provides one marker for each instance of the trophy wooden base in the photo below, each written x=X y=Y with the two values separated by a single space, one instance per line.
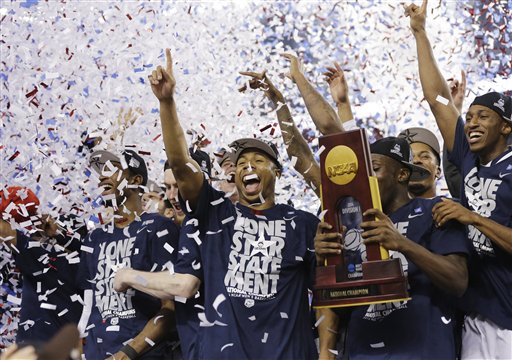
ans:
x=383 y=281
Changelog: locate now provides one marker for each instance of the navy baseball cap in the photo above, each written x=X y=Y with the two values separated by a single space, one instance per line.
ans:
x=500 y=103
x=241 y=145
x=399 y=150
x=134 y=162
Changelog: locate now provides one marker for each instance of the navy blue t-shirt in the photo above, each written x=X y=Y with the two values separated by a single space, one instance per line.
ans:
x=423 y=327
x=187 y=310
x=49 y=295
x=487 y=190
x=147 y=245
x=256 y=268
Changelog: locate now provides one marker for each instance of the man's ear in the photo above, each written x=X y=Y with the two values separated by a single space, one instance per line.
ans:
x=506 y=129
x=438 y=172
x=278 y=173
x=136 y=180
x=404 y=175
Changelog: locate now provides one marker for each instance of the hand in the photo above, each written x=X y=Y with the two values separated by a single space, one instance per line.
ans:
x=418 y=15
x=337 y=83
x=447 y=210
x=13 y=353
x=121 y=280
x=458 y=90
x=261 y=81
x=382 y=231
x=49 y=226
x=125 y=120
x=296 y=67
x=162 y=80
x=326 y=243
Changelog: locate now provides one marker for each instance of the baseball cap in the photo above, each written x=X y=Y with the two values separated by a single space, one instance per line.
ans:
x=134 y=161
x=422 y=135
x=241 y=145
x=500 y=103
x=399 y=150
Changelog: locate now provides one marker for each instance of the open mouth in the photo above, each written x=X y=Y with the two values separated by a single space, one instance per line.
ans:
x=177 y=207
x=474 y=136
x=107 y=188
x=251 y=184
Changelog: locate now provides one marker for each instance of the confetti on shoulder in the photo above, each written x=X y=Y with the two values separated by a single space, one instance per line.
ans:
x=229 y=219
x=192 y=167
x=162 y=233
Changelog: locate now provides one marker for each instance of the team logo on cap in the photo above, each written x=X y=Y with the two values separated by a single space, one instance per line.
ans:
x=397 y=150
x=500 y=104
x=341 y=165
x=134 y=163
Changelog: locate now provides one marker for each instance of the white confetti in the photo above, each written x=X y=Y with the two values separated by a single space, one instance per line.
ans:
x=377 y=345
x=265 y=338
x=48 y=306
x=319 y=321
x=169 y=248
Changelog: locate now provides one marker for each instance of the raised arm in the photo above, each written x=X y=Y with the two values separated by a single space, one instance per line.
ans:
x=323 y=115
x=296 y=146
x=458 y=91
x=435 y=88
x=338 y=87
x=187 y=172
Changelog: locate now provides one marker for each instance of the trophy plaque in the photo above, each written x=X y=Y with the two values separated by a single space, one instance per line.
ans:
x=361 y=274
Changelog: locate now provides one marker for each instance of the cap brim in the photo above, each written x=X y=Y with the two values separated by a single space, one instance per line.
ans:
x=100 y=158
x=417 y=172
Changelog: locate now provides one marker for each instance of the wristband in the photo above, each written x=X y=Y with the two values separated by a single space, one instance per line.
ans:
x=130 y=352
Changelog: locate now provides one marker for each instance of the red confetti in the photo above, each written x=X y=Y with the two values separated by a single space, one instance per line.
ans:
x=31 y=93
x=144 y=152
x=14 y=156
x=128 y=16
x=156 y=137
x=265 y=127
x=240 y=113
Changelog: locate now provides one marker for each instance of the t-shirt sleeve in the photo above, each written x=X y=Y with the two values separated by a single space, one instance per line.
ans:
x=84 y=279
x=460 y=145
x=189 y=254
x=310 y=250
x=208 y=197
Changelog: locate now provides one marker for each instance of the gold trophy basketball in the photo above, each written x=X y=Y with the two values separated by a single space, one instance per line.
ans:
x=361 y=274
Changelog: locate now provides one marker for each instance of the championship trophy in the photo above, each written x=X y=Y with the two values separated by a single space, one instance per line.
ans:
x=362 y=274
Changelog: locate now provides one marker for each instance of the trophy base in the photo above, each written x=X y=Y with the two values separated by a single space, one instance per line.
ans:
x=383 y=281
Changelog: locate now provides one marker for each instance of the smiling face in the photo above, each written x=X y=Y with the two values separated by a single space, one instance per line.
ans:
x=424 y=156
x=486 y=132
x=114 y=181
x=255 y=179
x=171 y=193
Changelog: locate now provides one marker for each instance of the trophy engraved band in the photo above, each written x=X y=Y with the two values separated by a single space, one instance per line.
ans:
x=361 y=274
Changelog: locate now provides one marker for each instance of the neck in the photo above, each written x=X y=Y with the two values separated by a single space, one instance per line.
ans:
x=488 y=155
x=397 y=202
x=269 y=203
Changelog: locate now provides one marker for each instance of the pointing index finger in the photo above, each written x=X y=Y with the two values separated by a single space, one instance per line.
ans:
x=168 y=58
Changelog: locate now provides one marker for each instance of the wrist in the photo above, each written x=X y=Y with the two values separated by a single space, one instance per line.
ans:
x=167 y=101
x=129 y=351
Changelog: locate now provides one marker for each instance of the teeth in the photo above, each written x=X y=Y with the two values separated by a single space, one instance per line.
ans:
x=473 y=135
x=251 y=177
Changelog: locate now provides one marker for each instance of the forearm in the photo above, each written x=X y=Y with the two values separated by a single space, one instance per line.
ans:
x=345 y=111
x=297 y=148
x=499 y=234
x=447 y=272
x=189 y=178
x=323 y=115
x=156 y=330
x=162 y=285
x=434 y=85
x=328 y=332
